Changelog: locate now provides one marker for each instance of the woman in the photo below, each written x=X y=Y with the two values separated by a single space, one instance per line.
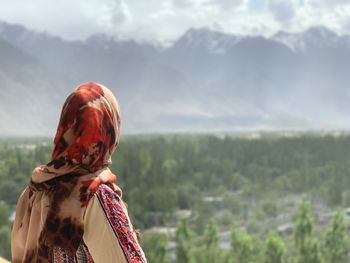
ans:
x=72 y=211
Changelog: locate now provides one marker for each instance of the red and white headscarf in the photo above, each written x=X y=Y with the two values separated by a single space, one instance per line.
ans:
x=50 y=211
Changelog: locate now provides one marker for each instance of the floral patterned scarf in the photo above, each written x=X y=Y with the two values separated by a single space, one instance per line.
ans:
x=50 y=211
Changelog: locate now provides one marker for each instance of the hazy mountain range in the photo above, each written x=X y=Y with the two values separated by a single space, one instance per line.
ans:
x=204 y=81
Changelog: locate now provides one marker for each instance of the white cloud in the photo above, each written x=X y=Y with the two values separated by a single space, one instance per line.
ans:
x=168 y=19
x=183 y=3
x=330 y=14
x=296 y=15
x=227 y=4
x=282 y=10
x=115 y=14
x=70 y=19
x=327 y=3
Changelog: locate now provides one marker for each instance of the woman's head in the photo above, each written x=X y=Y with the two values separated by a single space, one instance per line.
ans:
x=89 y=129
x=87 y=135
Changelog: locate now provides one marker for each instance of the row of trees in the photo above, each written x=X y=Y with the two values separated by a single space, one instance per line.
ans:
x=332 y=247
x=181 y=170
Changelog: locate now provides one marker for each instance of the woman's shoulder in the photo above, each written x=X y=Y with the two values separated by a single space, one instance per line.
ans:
x=114 y=207
x=110 y=202
x=109 y=191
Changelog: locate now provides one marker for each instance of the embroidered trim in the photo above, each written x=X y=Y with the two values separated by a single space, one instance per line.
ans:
x=60 y=256
x=82 y=255
x=120 y=224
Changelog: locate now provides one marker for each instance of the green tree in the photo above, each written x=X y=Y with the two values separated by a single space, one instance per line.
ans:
x=211 y=251
x=303 y=225
x=203 y=211
x=307 y=246
x=275 y=249
x=310 y=252
x=4 y=213
x=335 y=190
x=9 y=191
x=336 y=244
x=270 y=209
x=232 y=202
x=156 y=247
x=242 y=247
x=184 y=252
x=5 y=242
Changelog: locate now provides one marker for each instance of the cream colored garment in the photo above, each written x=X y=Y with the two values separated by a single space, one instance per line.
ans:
x=2 y=260
x=32 y=221
x=99 y=237
x=32 y=211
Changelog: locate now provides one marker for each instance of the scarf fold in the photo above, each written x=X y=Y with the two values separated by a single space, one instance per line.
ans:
x=50 y=211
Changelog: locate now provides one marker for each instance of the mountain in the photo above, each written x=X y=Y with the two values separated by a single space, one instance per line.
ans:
x=314 y=37
x=204 y=81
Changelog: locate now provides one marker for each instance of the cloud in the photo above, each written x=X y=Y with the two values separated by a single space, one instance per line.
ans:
x=327 y=3
x=183 y=3
x=224 y=4
x=227 y=4
x=70 y=19
x=116 y=13
x=332 y=14
x=282 y=10
x=163 y=20
x=299 y=15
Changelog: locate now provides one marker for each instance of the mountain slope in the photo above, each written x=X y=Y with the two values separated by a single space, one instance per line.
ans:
x=205 y=81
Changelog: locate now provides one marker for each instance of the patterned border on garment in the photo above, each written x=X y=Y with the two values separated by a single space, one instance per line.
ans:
x=60 y=256
x=83 y=254
x=120 y=224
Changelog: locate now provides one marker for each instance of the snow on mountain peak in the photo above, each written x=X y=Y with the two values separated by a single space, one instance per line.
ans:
x=212 y=41
x=314 y=37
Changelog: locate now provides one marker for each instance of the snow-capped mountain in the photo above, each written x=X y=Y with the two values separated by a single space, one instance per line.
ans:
x=206 y=80
x=314 y=37
x=206 y=39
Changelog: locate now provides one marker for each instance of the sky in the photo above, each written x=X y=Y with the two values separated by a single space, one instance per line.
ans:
x=165 y=20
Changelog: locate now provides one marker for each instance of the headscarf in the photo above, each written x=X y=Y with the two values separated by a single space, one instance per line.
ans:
x=50 y=211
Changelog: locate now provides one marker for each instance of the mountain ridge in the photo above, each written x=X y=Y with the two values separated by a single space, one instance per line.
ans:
x=204 y=81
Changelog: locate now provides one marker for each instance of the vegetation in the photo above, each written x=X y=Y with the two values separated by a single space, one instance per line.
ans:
x=275 y=249
x=272 y=199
